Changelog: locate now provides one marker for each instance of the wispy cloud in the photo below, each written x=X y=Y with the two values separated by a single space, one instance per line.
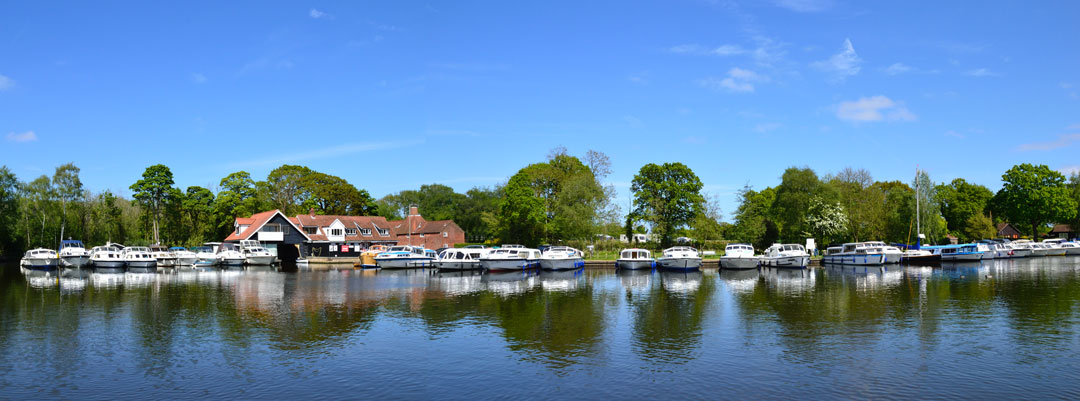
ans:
x=451 y=132
x=325 y=153
x=6 y=83
x=640 y=78
x=981 y=73
x=765 y=51
x=1070 y=170
x=841 y=65
x=737 y=80
x=316 y=14
x=198 y=78
x=28 y=136
x=901 y=68
x=804 y=6
x=873 y=109
x=1072 y=135
x=722 y=50
x=954 y=134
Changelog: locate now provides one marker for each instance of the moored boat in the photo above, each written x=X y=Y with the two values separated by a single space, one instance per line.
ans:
x=892 y=254
x=460 y=259
x=255 y=254
x=40 y=259
x=1055 y=247
x=138 y=257
x=205 y=256
x=920 y=257
x=739 y=256
x=957 y=253
x=1021 y=249
x=683 y=258
x=511 y=257
x=228 y=255
x=367 y=257
x=786 y=255
x=562 y=258
x=634 y=259
x=164 y=257
x=404 y=257
x=855 y=254
x=184 y=257
x=107 y=257
x=73 y=254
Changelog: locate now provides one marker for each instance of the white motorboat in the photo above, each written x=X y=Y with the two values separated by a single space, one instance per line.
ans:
x=164 y=257
x=1021 y=249
x=1055 y=247
x=998 y=250
x=855 y=254
x=139 y=257
x=404 y=257
x=184 y=257
x=786 y=255
x=40 y=259
x=205 y=256
x=1071 y=248
x=892 y=253
x=683 y=258
x=460 y=259
x=562 y=258
x=228 y=255
x=634 y=259
x=739 y=256
x=73 y=254
x=957 y=253
x=109 y=256
x=511 y=257
x=256 y=254
x=1040 y=249
x=987 y=251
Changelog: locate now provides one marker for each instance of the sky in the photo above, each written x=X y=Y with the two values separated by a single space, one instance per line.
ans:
x=394 y=95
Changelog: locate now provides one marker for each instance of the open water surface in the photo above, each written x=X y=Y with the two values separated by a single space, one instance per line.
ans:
x=1001 y=329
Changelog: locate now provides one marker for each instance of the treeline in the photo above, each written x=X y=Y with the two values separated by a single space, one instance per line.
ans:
x=851 y=206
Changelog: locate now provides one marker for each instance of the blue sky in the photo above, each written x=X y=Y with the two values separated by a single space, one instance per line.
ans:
x=393 y=95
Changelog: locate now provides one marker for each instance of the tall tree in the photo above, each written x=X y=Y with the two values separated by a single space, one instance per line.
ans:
x=40 y=197
x=1035 y=195
x=521 y=212
x=752 y=217
x=861 y=202
x=151 y=191
x=199 y=209
x=797 y=187
x=828 y=222
x=288 y=187
x=68 y=188
x=668 y=196
x=960 y=201
x=929 y=215
x=9 y=212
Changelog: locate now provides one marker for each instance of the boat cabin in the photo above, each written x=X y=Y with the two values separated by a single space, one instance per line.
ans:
x=635 y=253
x=71 y=243
x=461 y=254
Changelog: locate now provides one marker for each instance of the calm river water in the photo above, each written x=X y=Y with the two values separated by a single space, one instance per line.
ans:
x=1000 y=329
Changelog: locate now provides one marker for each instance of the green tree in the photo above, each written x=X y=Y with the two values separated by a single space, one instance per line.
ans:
x=979 y=226
x=933 y=225
x=9 y=212
x=797 y=187
x=151 y=191
x=198 y=208
x=333 y=195
x=521 y=212
x=476 y=211
x=668 y=196
x=238 y=198
x=69 y=189
x=288 y=187
x=899 y=211
x=1074 y=189
x=960 y=201
x=827 y=222
x=39 y=207
x=706 y=225
x=752 y=217
x=1035 y=195
x=861 y=202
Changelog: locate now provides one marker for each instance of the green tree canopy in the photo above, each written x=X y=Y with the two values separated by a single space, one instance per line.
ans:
x=151 y=191
x=521 y=212
x=668 y=196
x=1035 y=195
x=960 y=201
x=797 y=187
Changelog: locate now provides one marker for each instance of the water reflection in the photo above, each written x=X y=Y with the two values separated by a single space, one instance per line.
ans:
x=740 y=281
x=668 y=323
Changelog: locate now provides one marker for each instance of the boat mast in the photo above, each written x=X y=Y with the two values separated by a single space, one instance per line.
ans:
x=918 y=216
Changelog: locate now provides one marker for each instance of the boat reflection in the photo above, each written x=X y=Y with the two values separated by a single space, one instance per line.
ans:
x=457 y=282
x=789 y=280
x=512 y=282
x=667 y=324
x=681 y=282
x=561 y=280
x=635 y=279
x=740 y=281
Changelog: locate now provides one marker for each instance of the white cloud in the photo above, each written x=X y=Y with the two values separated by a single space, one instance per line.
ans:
x=765 y=52
x=198 y=78
x=28 y=136
x=841 y=65
x=685 y=49
x=316 y=14
x=738 y=80
x=1061 y=142
x=897 y=68
x=727 y=50
x=722 y=50
x=6 y=83
x=981 y=72
x=954 y=134
x=804 y=6
x=872 y=109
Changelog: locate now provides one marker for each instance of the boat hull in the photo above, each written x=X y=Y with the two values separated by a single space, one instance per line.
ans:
x=962 y=257
x=922 y=260
x=798 y=262
x=231 y=262
x=186 y=261
x=631 y=264
x=562 y=264
x=166 y=262
x=39 y=263
x=870 y=259
x=894 y=257
x=458 y=265
x=680 y=264
x=75 y=261
x=507 y=264
x=727 y=262
x=1021 y=253
x=1072 y=251
x=141 y=264
x=108 y=264
x=260 y=260
x=404 y=263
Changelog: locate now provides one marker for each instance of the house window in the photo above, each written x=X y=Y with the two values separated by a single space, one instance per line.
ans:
x=335 y=231
x=311 y=230
x=365 y=232
x=350 y=231
x=271 y=228
x=444 y=234
x=383 y=232
x=421 y=235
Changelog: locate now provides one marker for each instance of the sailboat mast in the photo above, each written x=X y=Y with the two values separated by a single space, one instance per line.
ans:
x=918 y=214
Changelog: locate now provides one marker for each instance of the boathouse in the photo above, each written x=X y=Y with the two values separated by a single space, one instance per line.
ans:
x=1062 y=231
x=274 y=230
x=1006 y=230
x=343 y=236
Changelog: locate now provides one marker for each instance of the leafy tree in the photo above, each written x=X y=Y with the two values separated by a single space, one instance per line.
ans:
x=38 y=204
x=797 y=187
x=68 y=189
x=151 y=191
x=706 y=225
x=1074 y=190
x=668 y=196
x=476 y=211
x=288 y=187
x=933 y=225
x=1035 y=195
x=333 y=195
x=198 y=207
x=861 y=202
x=238 y=198
x=899 y=211
x=521 y=212
x=826 y=221
x=9 y=212
x=752 y=215
x=436 y=201
x=979 y=226
x=960 y=201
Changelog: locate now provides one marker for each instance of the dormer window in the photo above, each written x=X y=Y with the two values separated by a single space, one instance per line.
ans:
x=365 y=232
x=335 y=232
x=350 y=231
x=311 y=230
x=383 y=232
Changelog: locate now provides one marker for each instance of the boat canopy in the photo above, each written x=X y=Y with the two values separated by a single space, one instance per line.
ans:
x=71 y=243
x=635 y=253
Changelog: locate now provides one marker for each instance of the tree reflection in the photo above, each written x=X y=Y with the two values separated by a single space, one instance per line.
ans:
x=668 y=322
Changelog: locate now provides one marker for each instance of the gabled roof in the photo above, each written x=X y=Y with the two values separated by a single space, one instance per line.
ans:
x=256 y=222
x=354 y=222
x=1062 y=228
x=426 y=227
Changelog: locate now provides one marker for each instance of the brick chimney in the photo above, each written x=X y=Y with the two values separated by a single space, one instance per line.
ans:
x=311 y=212
x=414 y=211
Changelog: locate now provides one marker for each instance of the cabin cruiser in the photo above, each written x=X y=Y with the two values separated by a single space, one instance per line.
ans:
x=405 y=256
x=228 y=255
x=994 y=249
x=1071 y=248
x=184 y=257
x=40 y=259
x=635 y=258
x=108 y=256
x=680 y=258
x=1040 y=249
x=205 y=256
x=460 y=259
x=739 y=256
x=164 y=257
x=786 y=255
x=139 y=257
x=957 y=253
x=256 y=254
x=892 y=253
x=562 y=258
x=855 y=253
x=987 y=251
x=1055 y=246
x=367 y=257
x=511 y=257
x=73 y=254
x=920 y=257
x=1021 y=248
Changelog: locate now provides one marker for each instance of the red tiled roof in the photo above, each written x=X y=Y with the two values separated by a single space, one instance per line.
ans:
x=254 y=223
x=425 y=227
x=355 y=222
x=245 y=220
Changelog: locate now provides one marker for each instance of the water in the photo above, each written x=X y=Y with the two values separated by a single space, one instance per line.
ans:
x=1002 y=329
